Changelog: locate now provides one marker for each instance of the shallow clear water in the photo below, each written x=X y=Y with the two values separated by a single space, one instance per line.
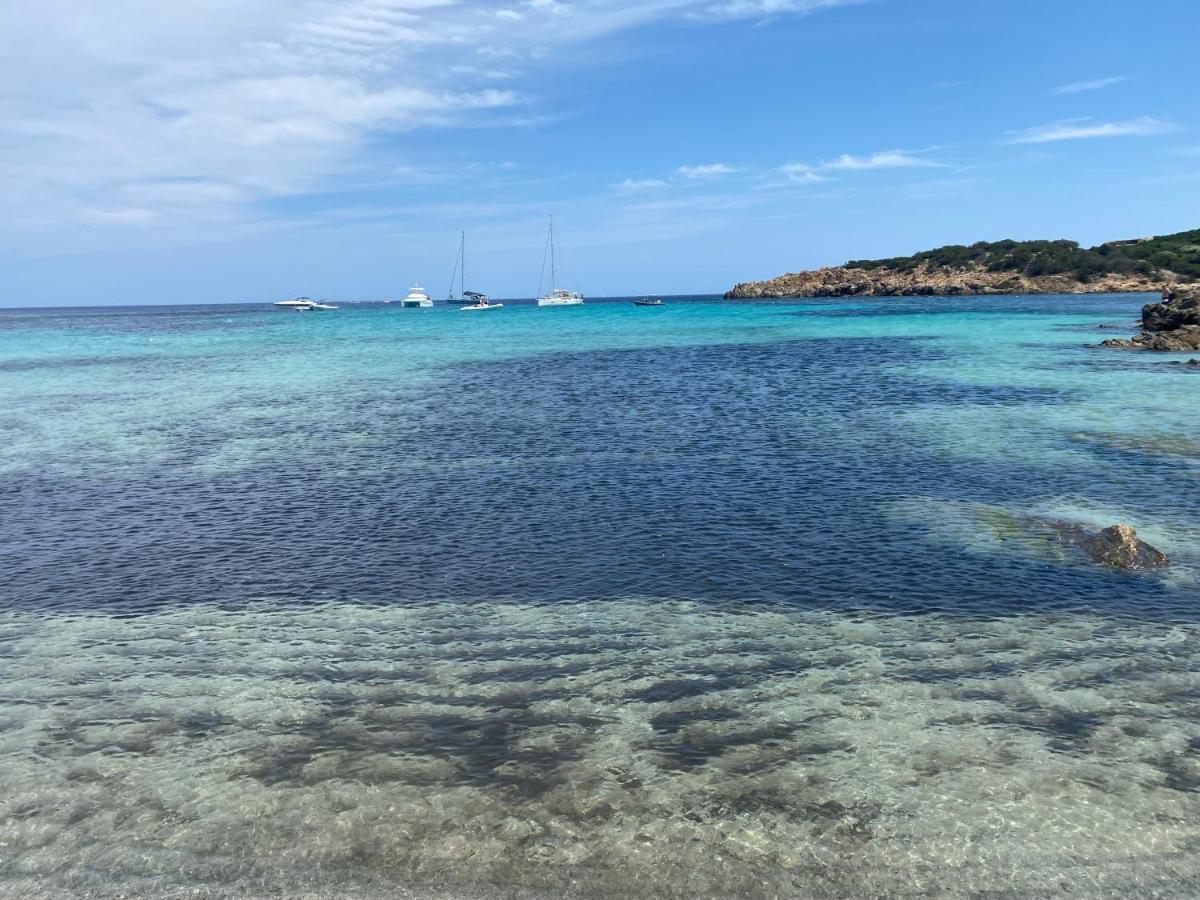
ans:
x=710 y=599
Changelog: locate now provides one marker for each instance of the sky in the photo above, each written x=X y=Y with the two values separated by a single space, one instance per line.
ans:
x=251 y=150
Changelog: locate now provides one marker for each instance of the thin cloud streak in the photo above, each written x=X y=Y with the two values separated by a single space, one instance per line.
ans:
x=1082 y=129
x=711 y=170
x=888 y=159
x=1095 y=84
x=762 y=9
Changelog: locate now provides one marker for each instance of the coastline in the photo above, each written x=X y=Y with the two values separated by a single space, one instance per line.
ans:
x=842 y=281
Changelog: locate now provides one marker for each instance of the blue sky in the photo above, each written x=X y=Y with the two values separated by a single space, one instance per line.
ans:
x=255 y=149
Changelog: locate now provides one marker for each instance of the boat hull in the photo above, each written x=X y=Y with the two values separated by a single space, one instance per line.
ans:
x=560 y=301
x=483 y=308
x=303 y=305
x=416 y=304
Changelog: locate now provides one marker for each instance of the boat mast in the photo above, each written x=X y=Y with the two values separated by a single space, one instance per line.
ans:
x=462 y=284
x=553 y=272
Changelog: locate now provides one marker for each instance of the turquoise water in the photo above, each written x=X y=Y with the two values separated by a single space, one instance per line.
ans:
x=707 y=599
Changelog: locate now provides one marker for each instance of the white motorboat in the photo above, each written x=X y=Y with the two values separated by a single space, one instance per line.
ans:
x=303 y=304
x=478 y=302
x=416 y=298
x=557 y=296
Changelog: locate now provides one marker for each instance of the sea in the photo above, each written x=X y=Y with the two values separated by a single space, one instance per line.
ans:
x=713 y=599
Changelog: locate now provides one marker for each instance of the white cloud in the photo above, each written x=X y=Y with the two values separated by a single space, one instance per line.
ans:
x=1095 y=84
x=800 y=173
x=888 y=159
x=1078 y=129
x=264 y=97
x=711 y=170
x=758 y=9
x=636 y=186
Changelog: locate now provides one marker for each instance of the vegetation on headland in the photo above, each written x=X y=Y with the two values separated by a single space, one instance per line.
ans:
x=1175 y=253
x=1000 y=267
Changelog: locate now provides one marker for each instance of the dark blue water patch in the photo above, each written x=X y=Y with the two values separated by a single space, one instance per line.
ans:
x=1109 y=359
x=1104 y=307
x=857 y=312
x=156 y=320
x=1157 y=455
x=58 y=363
x=754 y=473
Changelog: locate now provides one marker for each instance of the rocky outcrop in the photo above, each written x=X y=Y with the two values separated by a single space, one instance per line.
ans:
x=925 y=280
x=1119 y=547
x=1180 y=308
x=1170 y=326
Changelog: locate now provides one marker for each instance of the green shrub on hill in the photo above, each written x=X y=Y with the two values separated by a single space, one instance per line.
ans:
x=1177 y=253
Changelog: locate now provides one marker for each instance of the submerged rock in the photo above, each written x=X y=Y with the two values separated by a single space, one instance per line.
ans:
x=1117 y=546
x=987 y=529
x=1151 y=444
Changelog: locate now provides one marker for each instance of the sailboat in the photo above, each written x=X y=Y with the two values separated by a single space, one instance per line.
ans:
x=460 y=270
x=557 y=296
x=471 y=301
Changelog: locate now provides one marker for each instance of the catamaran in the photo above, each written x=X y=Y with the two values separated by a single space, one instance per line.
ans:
x=557 y=296
x=416 y=298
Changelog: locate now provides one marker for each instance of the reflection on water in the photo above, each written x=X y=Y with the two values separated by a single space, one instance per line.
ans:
x=634 y=747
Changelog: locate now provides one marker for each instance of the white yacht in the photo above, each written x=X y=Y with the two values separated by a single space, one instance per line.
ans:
x=416 y=298
x=303 y=304
x=561 y=297
x=557 y=296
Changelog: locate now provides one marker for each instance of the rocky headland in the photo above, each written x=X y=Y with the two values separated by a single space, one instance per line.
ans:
x=929 y=280
x=999 y=267
x=1170 y=326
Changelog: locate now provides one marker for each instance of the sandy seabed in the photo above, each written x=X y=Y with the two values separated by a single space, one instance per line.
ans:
x=626 y=748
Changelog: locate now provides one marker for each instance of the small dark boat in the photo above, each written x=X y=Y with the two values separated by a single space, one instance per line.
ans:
x=654 y=302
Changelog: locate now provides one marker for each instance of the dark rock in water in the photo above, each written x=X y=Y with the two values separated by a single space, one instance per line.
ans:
x=1179 y=308
x=1122 y=344
x=1172 y=326
x=1118 y=547
x=1193 y=362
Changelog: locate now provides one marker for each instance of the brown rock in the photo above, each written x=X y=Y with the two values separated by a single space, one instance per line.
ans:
x=1180 y=308
x=1120 y=548
x=1181 y=340
x=1172 y=326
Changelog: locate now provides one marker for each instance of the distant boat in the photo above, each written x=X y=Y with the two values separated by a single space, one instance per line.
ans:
x=648 y=302
x=460 y=270
x=557 y=296
x=479 y=301
x=303 y=304
x=416 y=298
